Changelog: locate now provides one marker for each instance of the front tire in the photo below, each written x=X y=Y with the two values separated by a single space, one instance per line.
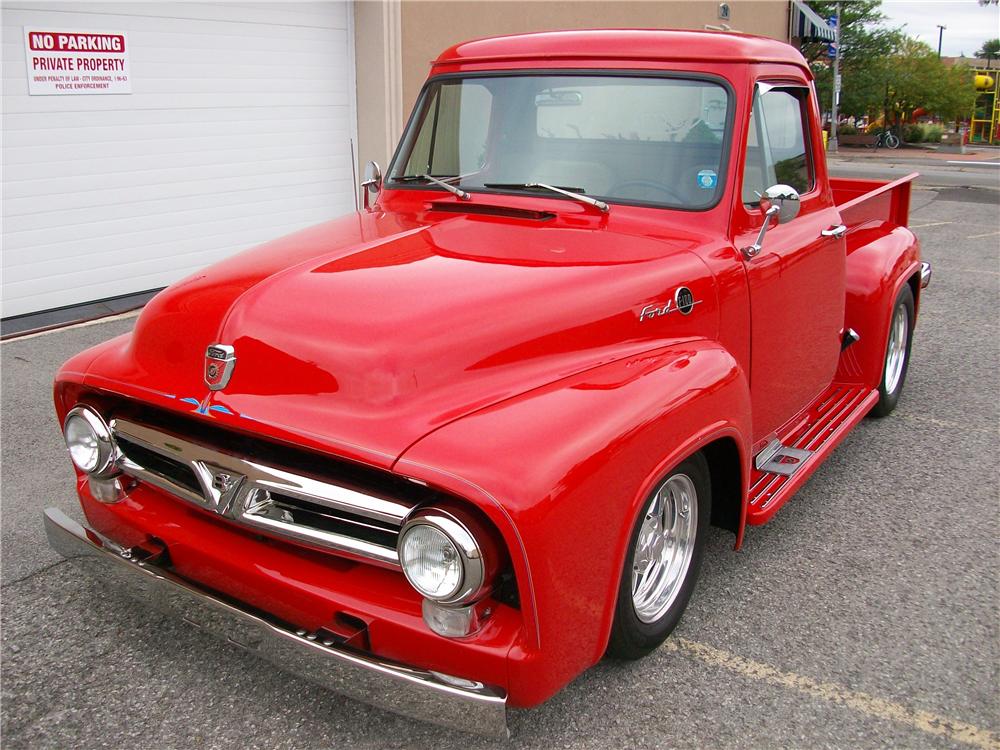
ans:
x=897 y=354
x=662 y=561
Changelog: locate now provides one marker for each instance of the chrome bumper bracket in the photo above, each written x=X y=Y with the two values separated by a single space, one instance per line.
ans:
x=451 y=702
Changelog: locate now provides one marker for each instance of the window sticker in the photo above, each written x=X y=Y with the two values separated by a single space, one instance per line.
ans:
x=707 y=179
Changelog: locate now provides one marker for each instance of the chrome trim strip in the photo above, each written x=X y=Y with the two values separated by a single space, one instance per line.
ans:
x=239 y=489
x=448 y=701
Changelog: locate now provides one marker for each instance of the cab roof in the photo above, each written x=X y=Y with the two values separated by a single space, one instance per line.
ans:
x=659 y=45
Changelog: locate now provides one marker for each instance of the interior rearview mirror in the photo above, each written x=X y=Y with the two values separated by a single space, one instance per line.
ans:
x=558 y=98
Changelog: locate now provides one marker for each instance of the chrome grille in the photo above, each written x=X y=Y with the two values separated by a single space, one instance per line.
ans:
x=267 y=498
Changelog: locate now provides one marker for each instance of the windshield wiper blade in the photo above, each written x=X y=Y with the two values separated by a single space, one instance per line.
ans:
x=599 y=205
x=442 y=182
x=423 y=178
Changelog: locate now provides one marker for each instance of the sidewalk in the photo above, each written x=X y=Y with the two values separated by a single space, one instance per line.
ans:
x=916 y=153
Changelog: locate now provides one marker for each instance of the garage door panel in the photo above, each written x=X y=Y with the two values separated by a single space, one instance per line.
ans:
x=112 y=260
x=192 y=161
x=175 y=205
x=164 y=183
x=159 y=183
x=117 y=260
x=238 y=130
x=62 y=136
x=138 y=266
x=155 y=17
x=149 y=118
x=167 y=147
x=160 y=221
x=15 y=92
x=313 y=15
x=235 y=234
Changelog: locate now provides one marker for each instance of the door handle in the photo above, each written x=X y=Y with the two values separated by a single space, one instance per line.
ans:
x=837 y=231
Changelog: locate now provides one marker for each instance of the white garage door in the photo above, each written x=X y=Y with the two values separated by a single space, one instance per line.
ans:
x=238 y=129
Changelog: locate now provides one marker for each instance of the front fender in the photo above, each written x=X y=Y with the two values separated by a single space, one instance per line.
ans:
x=565 y=468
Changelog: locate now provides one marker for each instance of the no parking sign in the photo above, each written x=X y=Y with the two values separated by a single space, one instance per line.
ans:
x=76 y=62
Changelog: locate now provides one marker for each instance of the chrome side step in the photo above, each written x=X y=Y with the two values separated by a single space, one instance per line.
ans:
x=781 y=459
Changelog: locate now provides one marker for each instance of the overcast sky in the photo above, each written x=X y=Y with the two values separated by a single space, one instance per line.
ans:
x=968 y=23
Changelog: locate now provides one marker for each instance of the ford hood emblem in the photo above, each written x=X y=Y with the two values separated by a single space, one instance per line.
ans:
x=219 y=363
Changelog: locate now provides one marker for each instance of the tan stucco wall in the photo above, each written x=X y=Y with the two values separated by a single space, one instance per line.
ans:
x=430 y=26
x=395 y=41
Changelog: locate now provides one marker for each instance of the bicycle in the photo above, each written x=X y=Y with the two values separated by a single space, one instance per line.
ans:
x=888 y=139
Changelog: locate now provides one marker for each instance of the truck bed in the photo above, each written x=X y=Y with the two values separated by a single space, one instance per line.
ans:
x=869 y=203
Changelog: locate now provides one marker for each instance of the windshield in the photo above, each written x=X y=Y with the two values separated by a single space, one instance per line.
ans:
x=625 y=139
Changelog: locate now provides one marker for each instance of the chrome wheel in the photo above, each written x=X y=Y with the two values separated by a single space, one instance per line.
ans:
x=896 y=354
x=664 y=547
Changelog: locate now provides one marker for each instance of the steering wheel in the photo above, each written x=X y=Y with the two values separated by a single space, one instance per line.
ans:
x=676 y=197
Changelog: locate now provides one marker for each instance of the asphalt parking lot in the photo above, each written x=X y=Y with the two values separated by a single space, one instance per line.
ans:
x=866 y=614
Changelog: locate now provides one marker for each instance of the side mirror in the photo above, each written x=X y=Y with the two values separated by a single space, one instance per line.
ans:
x=780 y=201
x=785 y=198
x=372 y=183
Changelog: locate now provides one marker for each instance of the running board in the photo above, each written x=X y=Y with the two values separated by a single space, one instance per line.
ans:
x=788 y=460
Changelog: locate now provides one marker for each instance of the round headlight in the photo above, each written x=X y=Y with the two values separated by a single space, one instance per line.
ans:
x=89 y=440
x=441 y=558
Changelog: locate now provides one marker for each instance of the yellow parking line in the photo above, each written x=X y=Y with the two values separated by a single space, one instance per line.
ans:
x=977 y=236
x=932 y=224
x=924 y=721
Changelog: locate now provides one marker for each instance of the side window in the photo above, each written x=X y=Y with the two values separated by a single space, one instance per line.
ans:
x=776 y=148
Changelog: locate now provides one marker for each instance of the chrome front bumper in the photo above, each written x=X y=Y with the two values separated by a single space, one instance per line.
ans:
x=419 y=694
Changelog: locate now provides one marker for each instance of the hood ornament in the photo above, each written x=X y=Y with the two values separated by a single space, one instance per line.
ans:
x=220 y=360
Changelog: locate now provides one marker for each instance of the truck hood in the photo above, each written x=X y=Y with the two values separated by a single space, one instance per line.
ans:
x=366 y=333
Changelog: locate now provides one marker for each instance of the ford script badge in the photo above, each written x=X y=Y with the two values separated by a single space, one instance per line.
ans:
x=683 y=302
x=219 y=363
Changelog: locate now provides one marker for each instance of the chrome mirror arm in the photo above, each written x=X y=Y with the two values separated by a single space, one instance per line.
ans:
x=754 y=250
x=372 y=182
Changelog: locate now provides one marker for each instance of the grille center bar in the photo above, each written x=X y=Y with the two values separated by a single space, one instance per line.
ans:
x=267 y=498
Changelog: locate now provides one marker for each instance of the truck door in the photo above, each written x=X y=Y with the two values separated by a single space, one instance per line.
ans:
x=796 y=281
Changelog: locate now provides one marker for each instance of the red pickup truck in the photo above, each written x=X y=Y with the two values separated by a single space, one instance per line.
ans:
x=447 y=452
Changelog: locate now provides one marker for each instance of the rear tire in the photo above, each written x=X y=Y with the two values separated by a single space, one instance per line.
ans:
x=662 y=560
x=897 y=354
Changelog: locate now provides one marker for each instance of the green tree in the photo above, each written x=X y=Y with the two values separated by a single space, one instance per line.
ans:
x=914 y=77
x=865 y=43
x=989 y=50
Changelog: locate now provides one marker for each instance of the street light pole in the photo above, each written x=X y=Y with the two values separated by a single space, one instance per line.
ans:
x=940 y=37
x=833 y=145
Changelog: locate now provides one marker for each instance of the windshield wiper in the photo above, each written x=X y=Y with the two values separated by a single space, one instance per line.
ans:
x=599 y=205
x=462 y=195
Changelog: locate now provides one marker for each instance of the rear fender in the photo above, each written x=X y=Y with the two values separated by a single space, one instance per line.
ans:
x=879 y=263
x=567 y=467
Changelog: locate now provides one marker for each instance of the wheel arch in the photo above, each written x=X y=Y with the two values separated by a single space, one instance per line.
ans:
x=728 y=477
